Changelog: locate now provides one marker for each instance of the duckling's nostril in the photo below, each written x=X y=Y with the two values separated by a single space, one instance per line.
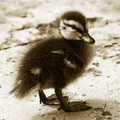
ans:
x=85 y=35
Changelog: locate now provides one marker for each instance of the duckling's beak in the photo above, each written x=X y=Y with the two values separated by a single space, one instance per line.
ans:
x=86 y=37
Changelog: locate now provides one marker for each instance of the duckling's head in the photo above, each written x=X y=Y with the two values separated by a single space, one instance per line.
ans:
x=73 y=26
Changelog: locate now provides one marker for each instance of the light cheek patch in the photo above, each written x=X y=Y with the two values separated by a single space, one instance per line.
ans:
x=69 y=63
x=36 y=71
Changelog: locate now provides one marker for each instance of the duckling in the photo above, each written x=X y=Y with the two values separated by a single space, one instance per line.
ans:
x=57 y=62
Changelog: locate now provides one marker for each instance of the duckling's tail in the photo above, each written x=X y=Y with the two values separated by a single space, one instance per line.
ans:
x=23 y=86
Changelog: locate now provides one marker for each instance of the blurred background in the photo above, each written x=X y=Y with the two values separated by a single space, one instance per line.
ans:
x=23 y=14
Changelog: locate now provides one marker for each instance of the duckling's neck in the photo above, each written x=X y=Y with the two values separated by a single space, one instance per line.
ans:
x=83 y=49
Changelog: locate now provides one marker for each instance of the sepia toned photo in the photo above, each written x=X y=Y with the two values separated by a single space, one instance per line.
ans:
x=59 y=60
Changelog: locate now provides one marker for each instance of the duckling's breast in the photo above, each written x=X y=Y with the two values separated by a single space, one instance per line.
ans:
x=85 y=53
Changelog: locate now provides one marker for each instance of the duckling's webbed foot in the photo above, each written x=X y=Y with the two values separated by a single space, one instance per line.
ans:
x=51 y=100
x=71 y=106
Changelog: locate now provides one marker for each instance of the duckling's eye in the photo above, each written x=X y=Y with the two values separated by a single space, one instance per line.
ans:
x=77 y=29
x=64 y=27
x=74 y=27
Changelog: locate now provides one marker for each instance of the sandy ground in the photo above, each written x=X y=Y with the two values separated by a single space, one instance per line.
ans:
x=23 y=21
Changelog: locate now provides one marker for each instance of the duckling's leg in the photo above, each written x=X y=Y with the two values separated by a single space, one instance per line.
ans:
x=51 y=100
x=70 y=106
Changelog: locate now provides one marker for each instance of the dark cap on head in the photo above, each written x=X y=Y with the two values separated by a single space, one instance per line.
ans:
x=75 y=15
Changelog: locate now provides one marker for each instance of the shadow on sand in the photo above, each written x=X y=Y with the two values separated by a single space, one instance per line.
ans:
x=101 y=111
